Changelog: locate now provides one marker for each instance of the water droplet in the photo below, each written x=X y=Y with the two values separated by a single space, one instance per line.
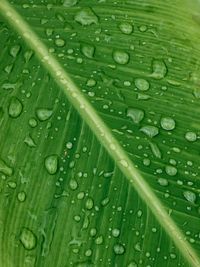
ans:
x=44 y=114
x=93 y=232
x=14 y=50
x=89 y=204
x=21 y=196
x=142 y=84
x=28 y=239
x=15 y=107
x=191 y=136
x=73 y=184
x=119 y=249
x=137 y=115
x=146 y=162
x=126 y=28
x=121 y=57
x=190 y=196
x=171 y=170
x=28 y=55
x=99 y=240
x=167 y=123
x=59 y=42
x=8 y=69
x=150 y=131
x=5 y=169
x=86 y=17
x=163 y=182
x=132 y=264
x=12 y=184
x=115 y=232
x=155 y=150
x=69 y=3
x=124 y=163
x=87 y=50
x=32 y=122
x=51 y=164
x=159 y=69
x=29 y=141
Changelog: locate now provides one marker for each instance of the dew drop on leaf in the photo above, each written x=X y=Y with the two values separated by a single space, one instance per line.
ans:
x=137 y=115
x=15 y=107
x=89 y=204
x=21 y=196
x=167 y=123
x=69 y=3
x=159 y=69
x=59 y=42
x=29 y=141
x=99 y=240
x=32 y=122
x=132 y=264
x=28 y=239
x=155 y=150
x=191 y=136
x=86 y=17
x=14 y=50
x=119 y=249
x=73 y=184
x=5 y=169
x=115 y=232
x=44 y=114
x=28 y=55
x=150 y=130
x=126 y=28
x=51 y=164
x=163 y=182
x=142 y=84
x=87 y=50
x=171 y=170
x=93 y=232
x=190 y=196
x=121 y=57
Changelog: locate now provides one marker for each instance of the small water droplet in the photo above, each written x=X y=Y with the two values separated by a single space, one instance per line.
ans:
x=15 y=107
x=150 y=130
x=191 y=136
x=73 y=184
x=121 y=57
x=167 y=123
x=32 y=122
x=126 y=28
x=89 y=204
x=171 y=170
x=159 y=69
x=99 y=240
x=86 y=17
x=119 y=249
x=28 y=55
x=44 y=114
x=28 y=239
x=142 y=84
x=132 y=264
x=137 y=115
x=51 y=164
x=93 y=232
x=115 y=232
x=69 y=3
x=155 y=150
x=21 y=196
x=190 y=196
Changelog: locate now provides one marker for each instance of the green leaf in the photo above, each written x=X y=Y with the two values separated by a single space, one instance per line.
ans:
x=99 y=115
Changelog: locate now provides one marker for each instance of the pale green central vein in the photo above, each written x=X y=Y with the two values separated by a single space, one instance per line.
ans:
x=99 y=128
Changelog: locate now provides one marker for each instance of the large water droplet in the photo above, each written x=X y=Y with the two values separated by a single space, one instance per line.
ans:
x=87 y=50
x=15 y=107
x=190 y=196
x=89 y=203
x=142 y=84
x=14 y=50
x=171 y=170
x=159 y=69
x=59 y=42
x=121 y=57
x=5 y=169
x=119 y=249
x=137 y=115
x=44 y=114
x=163 y=182
x=86 y=17
x=191 y=136
x=167 y=123
x=28 y=239
x=51 y=164
x=126 y=28
x=150 y=130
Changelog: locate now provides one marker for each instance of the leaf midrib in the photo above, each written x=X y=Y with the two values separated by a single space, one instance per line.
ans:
x=99 y=128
